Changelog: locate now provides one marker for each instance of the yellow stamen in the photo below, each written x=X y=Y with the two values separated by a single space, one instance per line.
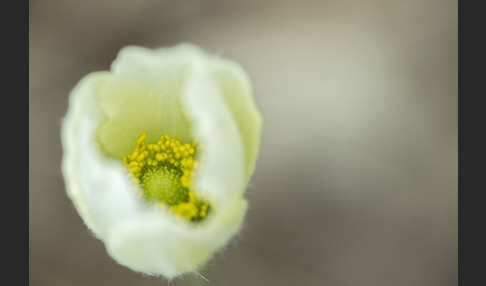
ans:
x=165 y=171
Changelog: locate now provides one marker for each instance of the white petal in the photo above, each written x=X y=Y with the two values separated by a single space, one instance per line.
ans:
x=237 y=93
x=221 y=176
x=143 y=94
x=153 y=246
x=96 y=184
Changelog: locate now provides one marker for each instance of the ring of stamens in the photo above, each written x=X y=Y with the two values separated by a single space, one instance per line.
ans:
x=164 y=171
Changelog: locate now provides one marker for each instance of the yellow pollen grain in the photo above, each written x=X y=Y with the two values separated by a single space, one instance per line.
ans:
x=141 y=138
x=134 y=155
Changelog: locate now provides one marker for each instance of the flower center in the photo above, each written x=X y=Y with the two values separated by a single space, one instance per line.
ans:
x=165 y=170
x=163 y=184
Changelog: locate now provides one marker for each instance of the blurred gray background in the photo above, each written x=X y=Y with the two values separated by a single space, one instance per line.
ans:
x=356 y=183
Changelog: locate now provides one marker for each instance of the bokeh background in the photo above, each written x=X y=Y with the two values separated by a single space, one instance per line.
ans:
x=356 y=183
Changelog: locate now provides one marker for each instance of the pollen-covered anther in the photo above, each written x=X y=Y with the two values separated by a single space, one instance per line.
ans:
x=165 y=171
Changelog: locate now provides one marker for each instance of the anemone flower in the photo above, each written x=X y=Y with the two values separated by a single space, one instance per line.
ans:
x=158 y=152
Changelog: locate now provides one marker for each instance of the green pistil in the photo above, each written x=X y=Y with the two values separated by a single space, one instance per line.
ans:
x=163 y=183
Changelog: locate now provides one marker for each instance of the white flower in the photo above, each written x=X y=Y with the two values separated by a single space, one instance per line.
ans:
x=192 y=97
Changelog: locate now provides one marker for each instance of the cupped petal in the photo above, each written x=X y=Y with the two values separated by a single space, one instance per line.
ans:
x=143 y=94
x=95 y=183
x=221 y=176
x=237 y=92
x=152 y=246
